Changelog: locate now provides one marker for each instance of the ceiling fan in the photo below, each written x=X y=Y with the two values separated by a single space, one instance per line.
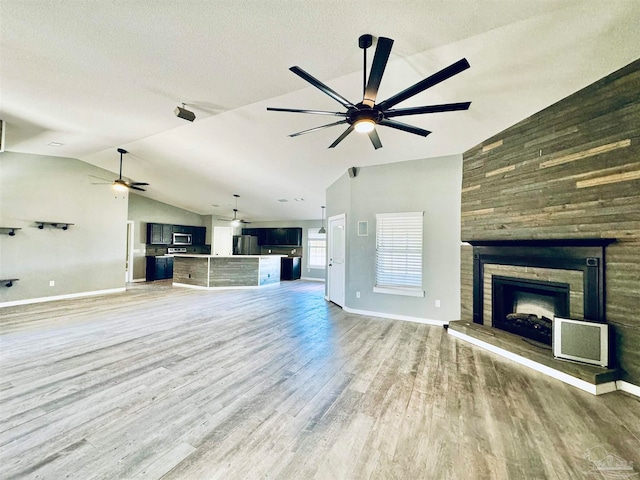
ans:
x=236 y=221
x=122 y=184
x=364 y=116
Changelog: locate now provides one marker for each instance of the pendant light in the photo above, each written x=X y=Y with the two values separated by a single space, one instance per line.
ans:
x=322 y=229
x=235 y=222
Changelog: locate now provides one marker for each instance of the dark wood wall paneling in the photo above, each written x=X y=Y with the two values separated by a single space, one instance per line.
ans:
x=570 y=171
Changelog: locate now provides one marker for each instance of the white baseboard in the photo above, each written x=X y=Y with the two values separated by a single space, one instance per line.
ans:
x=628 y=387
x=312 y=279
x=136 y=280
x=61 y=297
x=393 y=316
x=247 y=287
x=551 y=372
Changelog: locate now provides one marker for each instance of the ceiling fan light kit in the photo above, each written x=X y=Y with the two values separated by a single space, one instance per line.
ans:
x=123 y=185
x=182 y=112
x=364 y=116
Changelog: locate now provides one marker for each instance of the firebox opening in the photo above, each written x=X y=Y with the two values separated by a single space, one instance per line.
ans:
x=527 y=307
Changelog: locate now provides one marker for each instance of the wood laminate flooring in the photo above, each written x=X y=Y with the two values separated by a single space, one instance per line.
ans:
x=172 y=383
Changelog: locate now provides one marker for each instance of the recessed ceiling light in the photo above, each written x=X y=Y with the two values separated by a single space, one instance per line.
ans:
x=215 y=205
x=55 y=144
x=283 y=200
x=299 y=199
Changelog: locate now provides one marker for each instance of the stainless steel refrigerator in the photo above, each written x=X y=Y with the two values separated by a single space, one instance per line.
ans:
x=245 y=245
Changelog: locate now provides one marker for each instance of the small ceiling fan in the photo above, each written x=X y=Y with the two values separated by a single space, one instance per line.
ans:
x=122 y=184
x=364 y=116
x=237 y=221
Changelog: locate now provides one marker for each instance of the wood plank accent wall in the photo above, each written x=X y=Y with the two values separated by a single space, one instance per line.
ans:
x=570 y=171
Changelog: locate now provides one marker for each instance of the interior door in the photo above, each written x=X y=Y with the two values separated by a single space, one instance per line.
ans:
x=336 y=270
x=128 y=268
x=222 y=241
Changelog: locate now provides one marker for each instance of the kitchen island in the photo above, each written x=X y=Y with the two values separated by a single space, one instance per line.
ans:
x=216 y=271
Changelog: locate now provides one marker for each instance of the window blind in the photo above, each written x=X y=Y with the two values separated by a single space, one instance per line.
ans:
x=399 y=250
x=316 y=248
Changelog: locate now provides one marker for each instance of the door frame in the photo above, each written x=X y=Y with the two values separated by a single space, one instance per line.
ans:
x=128 y=268
x=343 y=217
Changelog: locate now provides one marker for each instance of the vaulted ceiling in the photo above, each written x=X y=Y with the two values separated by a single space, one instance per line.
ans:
x=98 y=75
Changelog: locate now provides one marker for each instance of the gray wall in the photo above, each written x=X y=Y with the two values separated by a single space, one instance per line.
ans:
x=143 y=210
x=430 y=185
x=88 y=257
x=310 y=273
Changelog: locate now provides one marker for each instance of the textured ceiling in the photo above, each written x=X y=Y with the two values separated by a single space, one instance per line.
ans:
x=98 y=75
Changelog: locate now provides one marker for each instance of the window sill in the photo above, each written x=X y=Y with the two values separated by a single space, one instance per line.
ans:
x=314 y=267
x=408 y=292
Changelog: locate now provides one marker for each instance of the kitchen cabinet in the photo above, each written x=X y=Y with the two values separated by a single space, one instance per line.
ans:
x=159 y=268
x=289 y=268
x=162 y=234
x=199 y=235
x=287 y=237
x=159 y=234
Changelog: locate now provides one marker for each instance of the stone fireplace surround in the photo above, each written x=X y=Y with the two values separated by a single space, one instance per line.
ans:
x=580 y=263
x=569 y=261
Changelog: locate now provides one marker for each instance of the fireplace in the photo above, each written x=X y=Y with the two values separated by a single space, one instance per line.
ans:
x=527 y=307
x=519 y=286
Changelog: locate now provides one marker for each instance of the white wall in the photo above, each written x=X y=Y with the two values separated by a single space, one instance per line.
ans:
x=88 y=257
x=430 y=185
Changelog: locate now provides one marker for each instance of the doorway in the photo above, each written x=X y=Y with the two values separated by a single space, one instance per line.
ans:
x=222 y=241
x=336 y=268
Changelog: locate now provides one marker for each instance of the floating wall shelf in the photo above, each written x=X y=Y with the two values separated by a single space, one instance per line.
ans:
x=8 y=282
x=12 y=230
x=62 y=225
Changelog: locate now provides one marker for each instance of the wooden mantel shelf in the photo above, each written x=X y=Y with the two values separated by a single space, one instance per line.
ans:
x=8 y=282
x=546 y=242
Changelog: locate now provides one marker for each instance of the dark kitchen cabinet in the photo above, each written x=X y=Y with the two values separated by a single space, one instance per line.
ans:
x=159 y=234
x=293 y=237
x=182 y=229
x=162 y=233
x=273 y=236
x=276 y=237
x=199 y=235
x=289 y=268
x=159 y=268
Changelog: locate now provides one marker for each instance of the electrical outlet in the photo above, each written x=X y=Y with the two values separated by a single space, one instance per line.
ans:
x=357 y=294
x=52 y=283
x=437 y=303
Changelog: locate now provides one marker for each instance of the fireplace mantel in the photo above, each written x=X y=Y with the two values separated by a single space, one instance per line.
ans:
x=560 y=242
x=586 y=255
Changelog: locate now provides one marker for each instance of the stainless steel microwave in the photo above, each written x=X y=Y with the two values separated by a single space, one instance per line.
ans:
x=182 y=239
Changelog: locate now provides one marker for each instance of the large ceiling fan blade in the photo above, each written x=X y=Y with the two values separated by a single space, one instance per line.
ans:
x=133 y=187
x=342 y=137
x=315 y=112
x=383 y=50
x=442 y=75
x=317 y=128
x=321 y=86
x=138 y=183
x=445 y=107
x=375 y=139
x=404 y=127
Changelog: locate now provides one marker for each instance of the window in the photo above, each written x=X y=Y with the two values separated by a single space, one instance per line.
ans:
x=316 y=249
x=399 y=253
